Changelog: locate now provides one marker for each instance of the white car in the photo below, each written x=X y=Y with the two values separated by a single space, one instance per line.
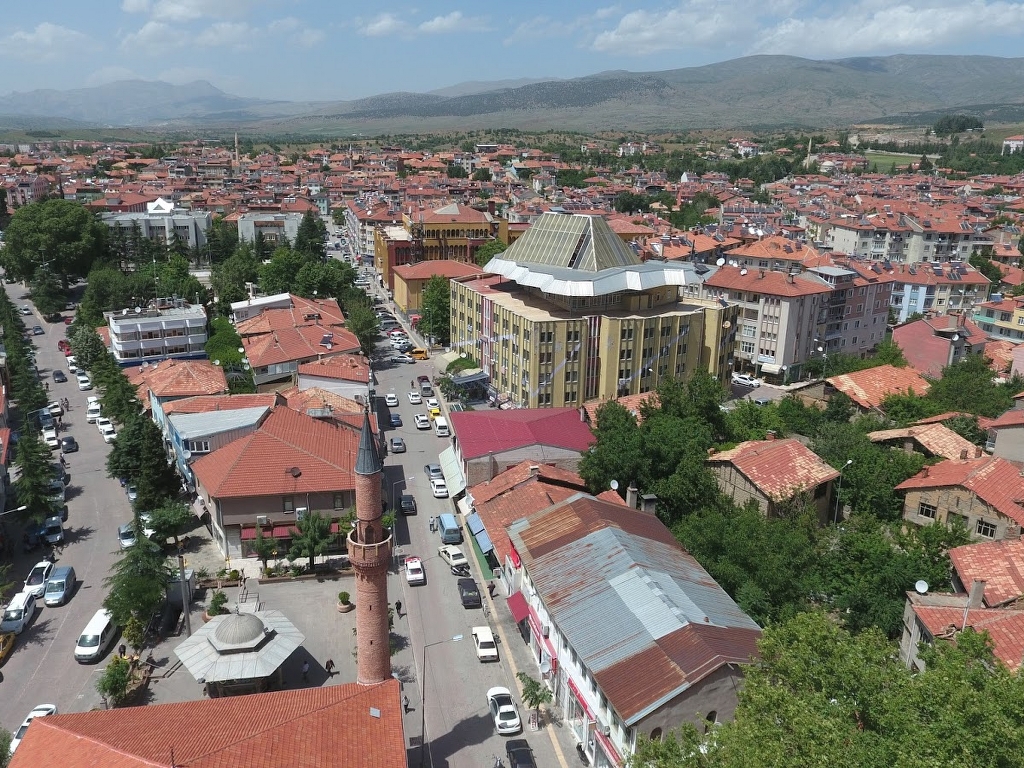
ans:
x=102 y=422
x=745 y=380
x=414 y=573
x=108 y=432
x=432 y=402
x=483 y=640
x=72 y=364
x=391 y=400
x=504 y=711
x=421 y=421
x=93 y=411
x=37 y=578
x=452 y=555
x=439 y=489
x=40 y=710
x=50 y=438
x=84 y=382
x=55 y=409
x=415 y=398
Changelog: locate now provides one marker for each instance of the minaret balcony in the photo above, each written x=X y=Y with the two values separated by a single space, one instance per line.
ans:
x=369 y=555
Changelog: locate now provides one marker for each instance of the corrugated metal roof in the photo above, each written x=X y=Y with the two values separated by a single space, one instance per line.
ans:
x=573 y=241
x=192 y=425
x=561 y=281
x=624 y=593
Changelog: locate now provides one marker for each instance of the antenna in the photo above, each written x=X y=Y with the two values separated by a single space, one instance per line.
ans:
x=921 y=587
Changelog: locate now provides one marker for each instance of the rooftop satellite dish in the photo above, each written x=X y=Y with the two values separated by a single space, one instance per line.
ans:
x=727 y=324
x=614 y=484
x=921 y=587
x=186 y=454
x=138 y=310
x=734 y=263
x=743 y=271
x=720 y=262
x=760 y=233
x=545 y=667
x=463 y=355
x=956 y=337
x=124 y=311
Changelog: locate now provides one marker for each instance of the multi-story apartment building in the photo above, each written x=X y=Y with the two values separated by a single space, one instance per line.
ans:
x=363 y=216
x=163 y=222
x=780 y=317
x=936 y=288
x=275 y=227
x=166 y=328
x=570 y=314
x=858 y=307
x=1002 y=318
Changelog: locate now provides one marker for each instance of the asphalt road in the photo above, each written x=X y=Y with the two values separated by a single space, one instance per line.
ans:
x=42 y=668
x=458 y=725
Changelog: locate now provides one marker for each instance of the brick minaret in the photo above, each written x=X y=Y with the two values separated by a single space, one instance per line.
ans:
x=369 y=550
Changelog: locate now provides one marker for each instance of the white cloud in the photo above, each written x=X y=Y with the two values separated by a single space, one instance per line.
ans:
x=182 y=75
x=106 y=75
x=135 y=6
x=154 y=37
x=46 y=41
x=872 y=27
x=542 y=27
x=237 y=35
x=383 y=25
x=452 y=22
x=689 y=25
x=296 y=32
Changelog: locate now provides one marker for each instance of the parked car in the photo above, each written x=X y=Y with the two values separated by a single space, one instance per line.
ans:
x=25 y=310
x=439 y=488
x=40 y=710
x=421 y=421
x=51 y=439
x=109 y=433
x=469 y=594
x=93 y=410
x=414 y=574
x=37 y=330
x=36 y=581
x=102 y=422
x=391 y=400
x=519 y=754
x=133 y=492
x=72 y=364
x=68 y=444
x=84 y=382
x=396 y=420
x=745 y=380
x=452 y=555
x=433 y=471
x=504 y=711
x=402 y=358
x=432 y=402
x=126 y=535
x=407 y=504
x=415 y=398
x=59 y=377
x=53 y=531
x=19 y=613
x=397 y=445
x=483 y=641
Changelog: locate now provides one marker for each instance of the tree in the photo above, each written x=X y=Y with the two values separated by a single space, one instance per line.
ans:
x=313 y=537
x=35 y=477
x=363 y=323
x=310 y=238
x=170 y=520
x=116 y=678
x=229 y=277
x=137 y=583
x=482 y=174
x=455 y=171
x=138 y=456
x=967 y=385
x=175 y=279
x=987 y=267
x=487 y=251
x=436 y=299
x=616 y=451
x=55 y=231
x=278 y=276
x=87 y=347
x=47 y=294
x=325 y=280
x=535 y=692
x=630 y=202
x=5 y=735
x=265 y=548
x=888 y=352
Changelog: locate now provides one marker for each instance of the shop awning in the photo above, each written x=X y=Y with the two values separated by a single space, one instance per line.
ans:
x=476 y=527
x=518 y=607
x=771 y=368
x=282 y=532
x=470 y=377
x=452 y=472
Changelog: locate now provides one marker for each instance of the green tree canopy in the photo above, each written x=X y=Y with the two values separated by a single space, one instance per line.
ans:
x=137 y=582
x=311 y=237
x=312 y=537
x=362 y=322
x=487 y=251
x=279 y=275
x=55 y=231
x=436 y=310
x=47 y=293
x=32 y=489
x=325 y=280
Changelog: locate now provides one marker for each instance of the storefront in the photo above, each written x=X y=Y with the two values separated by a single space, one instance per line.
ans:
x=578 y=716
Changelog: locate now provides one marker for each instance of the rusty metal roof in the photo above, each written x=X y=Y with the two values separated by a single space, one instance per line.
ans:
x=641 y=613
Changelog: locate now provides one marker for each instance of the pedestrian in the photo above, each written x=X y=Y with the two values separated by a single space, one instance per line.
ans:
x=329 y=666
x=398 y=608
x=47 y=385
x=490 y=588
x=60 y=421
x=305 y=670
x=431 y=524
x=122 y=650
x=405 y=704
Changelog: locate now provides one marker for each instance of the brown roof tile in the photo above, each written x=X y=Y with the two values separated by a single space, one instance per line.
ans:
x=999 y=563
x=305 y=728
x=779 y=468
x=936 y=439
x=341 y=367
x=178 y=378
x=868 y=388
x=995 y=481
x=211 y=403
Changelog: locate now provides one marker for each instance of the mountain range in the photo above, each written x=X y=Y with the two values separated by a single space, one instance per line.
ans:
x=751 y=92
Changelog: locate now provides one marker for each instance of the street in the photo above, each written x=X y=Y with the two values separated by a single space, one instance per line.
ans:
x=42 y=668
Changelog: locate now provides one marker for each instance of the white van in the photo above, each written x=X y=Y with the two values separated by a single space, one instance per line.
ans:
x=19 y=613
x=96 y=638
x=441 y=427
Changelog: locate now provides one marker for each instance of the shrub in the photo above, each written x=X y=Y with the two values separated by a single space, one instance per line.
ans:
x=218 y=603
x=343 y=598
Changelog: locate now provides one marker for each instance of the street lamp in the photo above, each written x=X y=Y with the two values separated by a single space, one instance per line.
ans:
x=824 y=356
x=423 y=693
x=839 y=488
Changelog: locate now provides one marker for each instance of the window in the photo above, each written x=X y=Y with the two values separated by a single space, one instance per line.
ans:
x=626 y=334
x=656 y=734
x=288 y=503
x=626 y=354
x=747 y=347
x=927 y=510
x=339 y=501
x=199 y=446
x=985 y=529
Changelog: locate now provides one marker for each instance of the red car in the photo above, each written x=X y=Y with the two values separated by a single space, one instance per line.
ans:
x=69 y=320
x=64 y=346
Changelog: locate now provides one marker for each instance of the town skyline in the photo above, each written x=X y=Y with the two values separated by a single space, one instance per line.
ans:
x=304 y=50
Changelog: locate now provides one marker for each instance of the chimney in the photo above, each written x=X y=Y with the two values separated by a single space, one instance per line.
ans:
x=712 y=452
x=534 y=469
x=648 y=503
x=977 y=594
x=631 y=496
x=790 y=279
x=1012 y=532
x=924 y=472
x=770 y=436
x=977 y=452
x=963 y=455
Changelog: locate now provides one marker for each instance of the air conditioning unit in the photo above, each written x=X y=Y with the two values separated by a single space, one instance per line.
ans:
x=607 y=730
x=262 y=519
x=300 y=512
x=545 y=630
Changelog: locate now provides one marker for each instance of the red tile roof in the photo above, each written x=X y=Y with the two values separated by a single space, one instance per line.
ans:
x=999 y=563
x=495 y=431
x=868 y=388
x=341 y=367
x=1012 y=418
x=779 y=468
x=260 y=464
x=211 y=403
x=305 y=728
x=993 y=480
x=936 y=439
x=1005 y=628
x=178 y=378
x=771 y=284
x=323 y=312
x=293 y=344
x=425 y=270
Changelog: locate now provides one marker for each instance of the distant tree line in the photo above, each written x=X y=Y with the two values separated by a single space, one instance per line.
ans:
x=947 y=125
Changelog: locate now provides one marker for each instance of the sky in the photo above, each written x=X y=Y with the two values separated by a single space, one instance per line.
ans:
x=341 y=49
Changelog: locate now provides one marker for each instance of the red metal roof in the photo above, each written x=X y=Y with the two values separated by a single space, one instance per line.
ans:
x=496 y=431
